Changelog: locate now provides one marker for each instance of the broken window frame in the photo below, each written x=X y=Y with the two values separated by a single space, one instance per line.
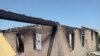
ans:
x=82 y=37
x=37 y=39
x=68 y=32
x=19 y=43
x=71 y=40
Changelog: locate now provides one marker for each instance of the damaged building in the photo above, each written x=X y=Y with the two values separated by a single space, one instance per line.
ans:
x=48 y=38
x=39 y=40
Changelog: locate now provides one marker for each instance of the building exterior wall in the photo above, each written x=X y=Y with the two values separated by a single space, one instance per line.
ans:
x=90 y=44
x=63 y=49
x=60 y=44
x=79 y=50
x=11 y=38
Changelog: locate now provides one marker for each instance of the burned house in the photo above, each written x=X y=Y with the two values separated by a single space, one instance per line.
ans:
x=38 y=40
x=48 y=38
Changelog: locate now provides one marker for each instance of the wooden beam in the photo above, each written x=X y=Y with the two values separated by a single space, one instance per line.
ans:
x=23 y=18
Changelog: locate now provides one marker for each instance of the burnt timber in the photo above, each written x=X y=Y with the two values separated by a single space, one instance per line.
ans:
x=23 y=18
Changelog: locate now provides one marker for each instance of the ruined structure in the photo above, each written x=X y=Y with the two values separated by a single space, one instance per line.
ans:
x=48 y=38
x=68 y=41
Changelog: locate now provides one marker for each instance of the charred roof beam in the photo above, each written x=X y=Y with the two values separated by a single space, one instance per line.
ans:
x=22 y=18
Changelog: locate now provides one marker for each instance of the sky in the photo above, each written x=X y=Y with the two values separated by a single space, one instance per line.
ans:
x=75 y=13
